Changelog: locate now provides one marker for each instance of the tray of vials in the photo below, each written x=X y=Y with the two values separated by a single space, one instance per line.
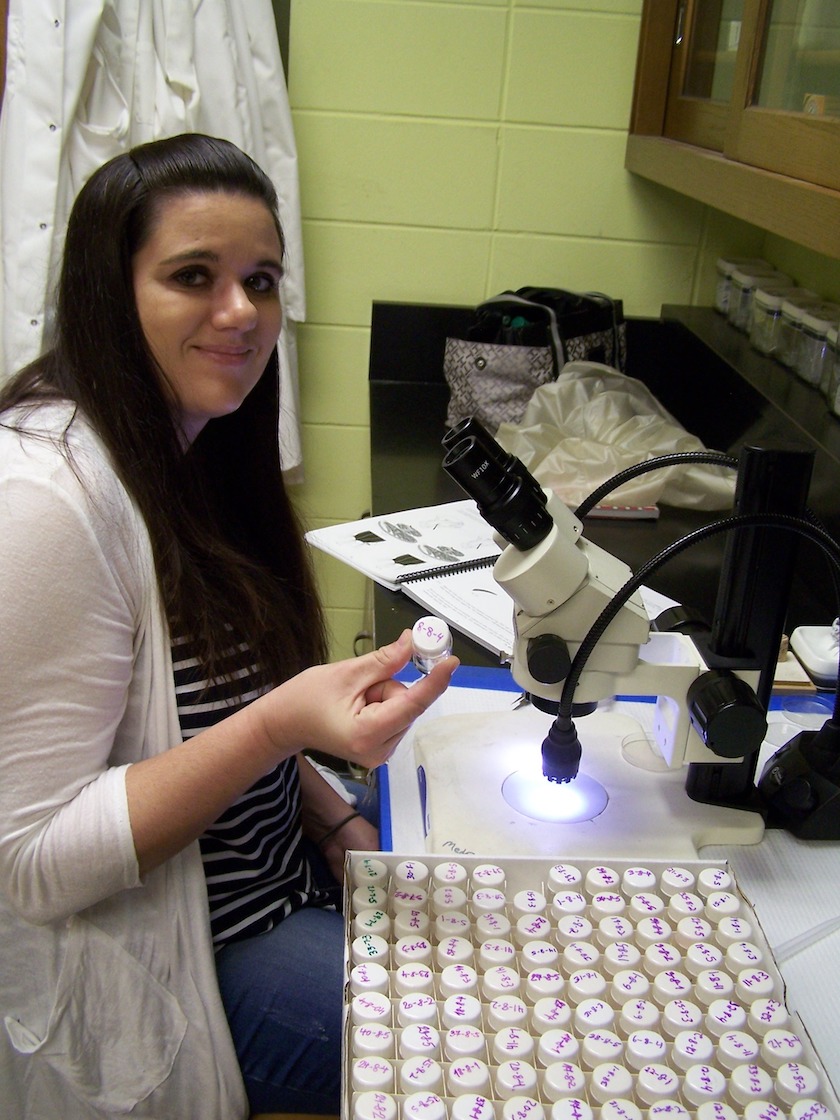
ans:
x=546 y=990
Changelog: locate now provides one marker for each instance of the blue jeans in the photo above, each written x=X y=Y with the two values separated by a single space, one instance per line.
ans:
x=283 y=995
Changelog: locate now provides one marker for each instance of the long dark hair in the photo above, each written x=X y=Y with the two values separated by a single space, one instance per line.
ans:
x=228 y=547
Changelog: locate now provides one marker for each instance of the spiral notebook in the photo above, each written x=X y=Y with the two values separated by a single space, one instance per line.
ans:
x=440 y=556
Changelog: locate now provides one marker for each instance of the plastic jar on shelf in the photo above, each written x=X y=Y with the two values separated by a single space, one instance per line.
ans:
x=725 y=267
x=811 y=352
x=790 y=327
x=832 y=365
x=766 y=314
x=743 y=285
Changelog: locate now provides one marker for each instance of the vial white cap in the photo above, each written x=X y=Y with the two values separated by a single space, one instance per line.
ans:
x=472 y=1106
x=372 y=1073
x=571 y=1108
x=374 y=1105
x=456 y=978
x=468 y=1075
x=419 y=1007
x=419 y=1039
x=506 y=1011
x=736 y=1048
x=371 y=1039
x=522 y=1106
x=515 y=1079
x=563 y=1080
x=461 y=1009
x=464 y=1042
x=421 y=1075
x=431 y=637
x=423 y=1106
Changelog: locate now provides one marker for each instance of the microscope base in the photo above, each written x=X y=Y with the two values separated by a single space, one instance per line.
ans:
x=468 y=757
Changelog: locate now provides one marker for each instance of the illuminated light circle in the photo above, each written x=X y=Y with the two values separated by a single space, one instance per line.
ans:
x=535 y=796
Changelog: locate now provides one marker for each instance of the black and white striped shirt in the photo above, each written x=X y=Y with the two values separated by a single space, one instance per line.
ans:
x=254 y=859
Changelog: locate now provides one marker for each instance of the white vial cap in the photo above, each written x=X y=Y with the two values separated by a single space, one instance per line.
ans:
x=754 y=983
x=468 y=1075
x=372 y=1073
x=464 y=1042
x=370 y=947
x=419 y=1007
x=419 y=1038
x=406 y=897
x=523 y=1106
x=618 y=956
x=568 y=902
x=373 y=1039
x=656 y=1082
x=645 y=904
x=627 y=984
x=765 y=1015
x=795 y=1081
x=531 y=927
x=637 y=879
x=692 y=930
x=614 y=928
x=512 y=1042
x=495 y=951
x=652 y=930
x=725 y=1015
x=528 y=902
x=736 y=1048
x=411 y=923
x=456 y=978
x=489 y=925
x=599 y=1047
x=515 y=1079
x=750 y=1083
x=550 y=1013
x=370 y=1007
x=487 y=900
x=608 y=1081
x=472 y=1106
x=692 y=1048
x=452 y=923
x=587 y=983
x=579 y=955
x=713 y=984
x=712 y=879
x=680 y=1015
x=409 y=949
x=448 y=898
x=701 y=956
x=716 y=1110
x=764 y=1110
x=557 y=1045
x=421 y=1075
x=461 y=1009
x=571 y=928
x=488 y=875
x=643 y=1047
x=543 y=982
x=743 y=954
x=371 y=921
x=676 y=879
x=413 y=872
x=368 y=976
x=506 y=1011
x=594 y=1015
x=411 y=978
x=571 y=1108
x=563 y=1080
x=620 y=1108
x=449 y=873
x=538 y=955
x=374 y=1105
x=703 y=1083
x=423 y=1106
x=432 y=642
x=638 y=1014
x=563 y=876
x=601 y=878
x=779 y=1047
x=369 y=896
x=810 y=1109
x=670 y=985
x=500 y=981
x=454 y=950
x=369 y=870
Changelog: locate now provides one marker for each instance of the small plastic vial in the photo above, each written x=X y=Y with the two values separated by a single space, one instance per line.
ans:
x=575 y=1108
x=563 y=1080
x=374 y=1105
x=472 y=1106
x=515 y=1079
x=423 y=1106
x=456 y=978
x=464 y=1042
x=431 y=639
x=523 y=1106
x=416 y=1008
x=369 y=976
x=463 y=1009
x=550 y=1013
x=421 y=1074
x=370 y=871
x=506 y=1011
x=373 y=1040
x=468 y=1075
x=736 y=1048
x=372 y=1074
x=420 y=1039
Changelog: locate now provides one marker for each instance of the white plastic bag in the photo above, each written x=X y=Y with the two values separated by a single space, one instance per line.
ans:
x=593 y=422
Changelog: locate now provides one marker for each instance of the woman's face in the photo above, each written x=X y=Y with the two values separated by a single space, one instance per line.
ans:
x=206 y=283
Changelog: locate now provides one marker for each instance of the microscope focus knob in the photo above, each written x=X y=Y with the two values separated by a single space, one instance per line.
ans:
x=548 y=659
x=726 y=714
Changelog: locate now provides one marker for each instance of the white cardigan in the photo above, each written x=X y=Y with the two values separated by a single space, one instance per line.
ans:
x=109 y=996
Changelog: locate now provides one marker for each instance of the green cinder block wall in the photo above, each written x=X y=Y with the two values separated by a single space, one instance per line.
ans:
x=451 y=149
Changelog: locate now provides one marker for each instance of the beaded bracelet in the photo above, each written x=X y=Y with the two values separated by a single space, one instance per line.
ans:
x=336 y=827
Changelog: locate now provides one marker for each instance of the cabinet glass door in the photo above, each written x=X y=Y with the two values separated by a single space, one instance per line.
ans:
x=800 y=71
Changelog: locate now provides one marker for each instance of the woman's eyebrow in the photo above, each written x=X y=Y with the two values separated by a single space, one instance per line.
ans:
x=213 y=257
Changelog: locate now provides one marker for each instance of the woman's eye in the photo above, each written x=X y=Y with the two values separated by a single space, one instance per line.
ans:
x=190 y=277
x=263 y=282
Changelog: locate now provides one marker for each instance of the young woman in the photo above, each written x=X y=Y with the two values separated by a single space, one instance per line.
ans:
x=162 y=937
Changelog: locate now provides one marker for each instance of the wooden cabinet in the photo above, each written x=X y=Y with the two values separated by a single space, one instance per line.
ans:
x=737 y=104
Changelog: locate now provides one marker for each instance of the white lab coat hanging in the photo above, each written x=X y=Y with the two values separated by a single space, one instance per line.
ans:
x=87 y=79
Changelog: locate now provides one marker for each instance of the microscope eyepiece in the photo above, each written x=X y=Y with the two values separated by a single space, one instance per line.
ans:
x=507 y=495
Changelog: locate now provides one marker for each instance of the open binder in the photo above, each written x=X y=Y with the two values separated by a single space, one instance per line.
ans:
x=440 y=556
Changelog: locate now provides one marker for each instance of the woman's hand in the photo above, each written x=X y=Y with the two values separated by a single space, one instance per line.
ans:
x=351 y=709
